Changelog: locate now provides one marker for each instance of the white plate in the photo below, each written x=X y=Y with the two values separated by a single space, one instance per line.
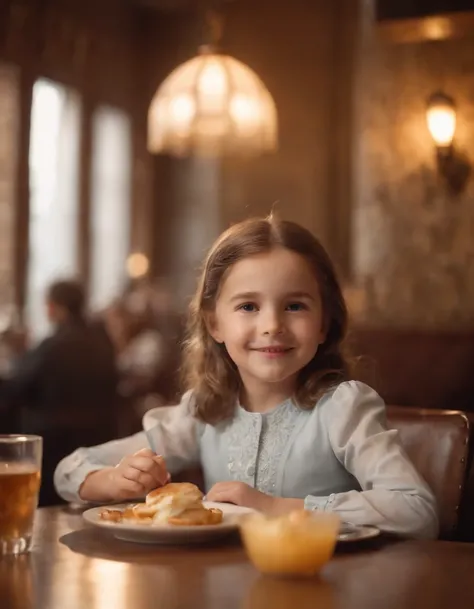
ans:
x=168 y=533
x=356 y=532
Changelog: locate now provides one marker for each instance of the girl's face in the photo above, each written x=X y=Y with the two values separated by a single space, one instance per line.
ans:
x=269 y=316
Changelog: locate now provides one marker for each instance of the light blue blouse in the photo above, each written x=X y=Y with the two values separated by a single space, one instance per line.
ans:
x=340 y=456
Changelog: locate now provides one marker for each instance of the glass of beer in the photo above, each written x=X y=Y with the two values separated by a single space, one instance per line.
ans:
x=20 y=478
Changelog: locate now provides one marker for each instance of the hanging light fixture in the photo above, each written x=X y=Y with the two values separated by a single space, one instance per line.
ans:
x=212 y=105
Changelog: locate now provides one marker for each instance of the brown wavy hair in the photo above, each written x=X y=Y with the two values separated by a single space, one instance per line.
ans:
x=208 y=369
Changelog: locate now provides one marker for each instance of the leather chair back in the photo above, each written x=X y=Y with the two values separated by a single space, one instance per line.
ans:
x=437 y=442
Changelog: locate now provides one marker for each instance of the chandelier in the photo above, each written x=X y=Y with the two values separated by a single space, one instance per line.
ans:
x=212 y=105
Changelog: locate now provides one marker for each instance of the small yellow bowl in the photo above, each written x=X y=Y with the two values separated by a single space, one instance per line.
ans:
x=299 y=543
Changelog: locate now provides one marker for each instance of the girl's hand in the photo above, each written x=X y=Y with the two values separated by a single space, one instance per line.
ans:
x=242 y=494
x=135 y=476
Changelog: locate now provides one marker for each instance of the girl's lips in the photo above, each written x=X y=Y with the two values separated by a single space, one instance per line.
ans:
x=274 y=351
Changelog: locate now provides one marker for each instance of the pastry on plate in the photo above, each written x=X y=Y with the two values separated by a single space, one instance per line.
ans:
x=177 y=503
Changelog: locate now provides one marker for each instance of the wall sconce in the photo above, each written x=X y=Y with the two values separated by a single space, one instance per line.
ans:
x=441 y=121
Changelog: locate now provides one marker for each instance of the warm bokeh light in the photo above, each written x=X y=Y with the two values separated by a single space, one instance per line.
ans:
x=441 y=119
x=211 y=105
x=437 y=28
x=137 y=265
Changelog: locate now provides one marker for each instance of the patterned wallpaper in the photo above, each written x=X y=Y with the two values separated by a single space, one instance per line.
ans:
x=413 y=241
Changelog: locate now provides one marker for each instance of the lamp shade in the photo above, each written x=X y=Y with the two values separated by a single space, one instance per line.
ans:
x=212 y=105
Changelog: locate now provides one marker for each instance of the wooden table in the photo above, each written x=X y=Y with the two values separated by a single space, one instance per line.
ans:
x=74 y=567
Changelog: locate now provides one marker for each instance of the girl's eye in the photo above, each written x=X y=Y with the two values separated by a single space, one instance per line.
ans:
x=296 y=306
x=248 y=307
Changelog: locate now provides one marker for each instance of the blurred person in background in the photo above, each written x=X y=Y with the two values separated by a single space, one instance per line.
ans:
x=139 y=346
x=146 y=339
x=65 y=389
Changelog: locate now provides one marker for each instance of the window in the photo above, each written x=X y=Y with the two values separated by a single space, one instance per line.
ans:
x=9 y=123
x=54 y=173
x=110 y=204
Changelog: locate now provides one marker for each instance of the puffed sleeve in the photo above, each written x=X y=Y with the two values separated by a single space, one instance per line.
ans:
x=393 y=495
x=170 y=431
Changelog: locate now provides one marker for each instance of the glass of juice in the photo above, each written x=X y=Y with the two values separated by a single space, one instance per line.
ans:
x=20 y=479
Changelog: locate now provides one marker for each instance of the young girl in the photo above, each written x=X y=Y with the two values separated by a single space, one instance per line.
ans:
x=270 y=413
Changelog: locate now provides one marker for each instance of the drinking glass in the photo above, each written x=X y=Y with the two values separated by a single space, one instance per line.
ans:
x=20 y=479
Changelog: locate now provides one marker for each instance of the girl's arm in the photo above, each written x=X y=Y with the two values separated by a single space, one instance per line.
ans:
x=171 y=432
x=75 y=468
x=393 y=496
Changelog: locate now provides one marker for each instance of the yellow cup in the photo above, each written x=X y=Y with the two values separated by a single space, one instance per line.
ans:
x=299 y=543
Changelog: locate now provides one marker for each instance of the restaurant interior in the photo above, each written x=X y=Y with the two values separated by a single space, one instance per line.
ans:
x=352 y=118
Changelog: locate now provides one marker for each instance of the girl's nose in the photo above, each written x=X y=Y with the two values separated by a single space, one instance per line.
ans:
x=272 y=323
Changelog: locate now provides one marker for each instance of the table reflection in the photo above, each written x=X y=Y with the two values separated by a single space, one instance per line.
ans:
x=17 y=589
x=290 y=593
x=109 y=583
x=404 y=572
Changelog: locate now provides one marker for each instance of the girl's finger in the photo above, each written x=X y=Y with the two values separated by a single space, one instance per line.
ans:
x=145 y=480
x=149 y=466
x=145 y=452
x=220 y=495
x=129 y=489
